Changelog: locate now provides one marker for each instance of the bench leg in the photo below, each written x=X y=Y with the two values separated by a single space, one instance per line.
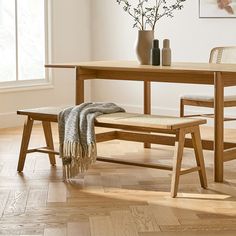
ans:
x=25 y=143
x=179 y=147
x=197 y=145
x=49 y=140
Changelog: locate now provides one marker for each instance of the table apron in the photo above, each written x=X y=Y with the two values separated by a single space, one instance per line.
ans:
x=180 y=77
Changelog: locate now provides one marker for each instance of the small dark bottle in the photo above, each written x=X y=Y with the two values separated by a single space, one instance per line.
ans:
x=155 y=53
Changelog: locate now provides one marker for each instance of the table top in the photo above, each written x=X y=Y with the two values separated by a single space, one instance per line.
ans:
x=134 y=66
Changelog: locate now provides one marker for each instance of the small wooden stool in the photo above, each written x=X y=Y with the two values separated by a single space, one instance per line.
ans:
x=142 y=128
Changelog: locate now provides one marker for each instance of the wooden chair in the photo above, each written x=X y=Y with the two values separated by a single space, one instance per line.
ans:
x=218 y=55
x=143 y=129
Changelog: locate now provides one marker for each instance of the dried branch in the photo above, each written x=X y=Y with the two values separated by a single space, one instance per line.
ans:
x=146 y=16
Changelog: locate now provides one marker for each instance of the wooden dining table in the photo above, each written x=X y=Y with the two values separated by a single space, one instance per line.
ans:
x=217 y=75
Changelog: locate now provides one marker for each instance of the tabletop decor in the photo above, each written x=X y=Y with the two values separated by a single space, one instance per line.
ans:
x=217 y=8
x=145 y=14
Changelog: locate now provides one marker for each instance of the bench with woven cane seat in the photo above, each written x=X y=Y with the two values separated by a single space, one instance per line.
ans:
x=128 y=126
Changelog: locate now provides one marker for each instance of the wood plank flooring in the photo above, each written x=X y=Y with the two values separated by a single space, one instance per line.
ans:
x=111 y=199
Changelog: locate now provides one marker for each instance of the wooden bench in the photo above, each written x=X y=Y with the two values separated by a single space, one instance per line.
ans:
x=132 y=127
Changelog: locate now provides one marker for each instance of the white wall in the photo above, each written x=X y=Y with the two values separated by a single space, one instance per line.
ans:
x=100 y=30
x=191 y=40
x=70 y=42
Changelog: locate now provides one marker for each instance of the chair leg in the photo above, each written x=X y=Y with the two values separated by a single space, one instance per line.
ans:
x=181 y=108
x=197 y=145
x=49 y=140
x=25 y=143
x=179 y=147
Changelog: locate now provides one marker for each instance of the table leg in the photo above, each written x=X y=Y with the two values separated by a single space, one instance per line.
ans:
x=147 y=103
x=219 y=127
x=79 y=88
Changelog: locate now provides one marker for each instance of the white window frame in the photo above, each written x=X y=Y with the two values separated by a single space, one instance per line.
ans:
x=33 y=84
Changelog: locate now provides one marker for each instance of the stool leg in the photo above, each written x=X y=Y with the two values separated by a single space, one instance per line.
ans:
x=197 y=145
x=179 y=147
x=25 y=143
x=49 y=140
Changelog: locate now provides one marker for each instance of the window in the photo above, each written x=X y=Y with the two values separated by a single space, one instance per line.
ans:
x=22 y=41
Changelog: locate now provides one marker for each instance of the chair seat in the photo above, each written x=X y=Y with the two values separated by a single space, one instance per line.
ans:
x=206 y=98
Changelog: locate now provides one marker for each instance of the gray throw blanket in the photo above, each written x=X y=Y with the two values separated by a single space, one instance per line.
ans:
x=77 y=136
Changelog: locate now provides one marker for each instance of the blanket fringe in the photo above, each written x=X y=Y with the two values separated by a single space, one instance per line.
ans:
x=77 y=158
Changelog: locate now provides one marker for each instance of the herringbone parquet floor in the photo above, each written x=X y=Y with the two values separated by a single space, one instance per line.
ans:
x=111 y=199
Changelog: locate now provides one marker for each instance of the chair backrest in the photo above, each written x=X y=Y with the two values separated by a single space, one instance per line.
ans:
x=223 y=55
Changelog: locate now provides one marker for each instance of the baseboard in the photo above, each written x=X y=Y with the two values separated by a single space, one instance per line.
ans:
x=155 y=110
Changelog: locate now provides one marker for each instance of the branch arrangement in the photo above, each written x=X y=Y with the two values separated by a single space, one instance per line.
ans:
x=146 y=13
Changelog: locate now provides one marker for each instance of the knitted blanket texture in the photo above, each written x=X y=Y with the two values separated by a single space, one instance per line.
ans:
x=77 y=135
